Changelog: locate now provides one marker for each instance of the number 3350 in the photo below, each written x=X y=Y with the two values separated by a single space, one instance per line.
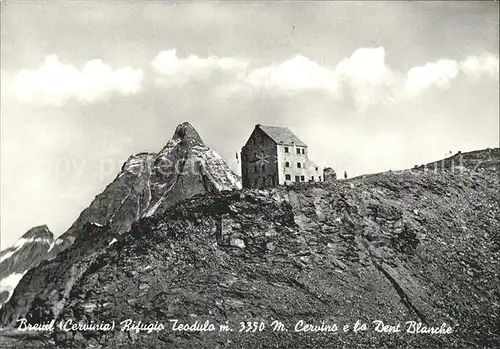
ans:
x=251 y=326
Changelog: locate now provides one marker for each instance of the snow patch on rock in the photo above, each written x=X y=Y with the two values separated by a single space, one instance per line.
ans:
x=19 y=244
x=9 y=283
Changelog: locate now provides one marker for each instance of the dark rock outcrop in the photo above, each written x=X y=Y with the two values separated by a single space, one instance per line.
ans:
x=329 y=175
x=399 y=246
x=26 y=253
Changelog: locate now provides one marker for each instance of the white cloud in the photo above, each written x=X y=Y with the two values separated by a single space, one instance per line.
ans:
x=441 y=73
x=174 y=71
x=438 y=74
x=299 y=73
x=363 y=71
x=365 y=66
x=364 y=77
x=478 y=66
x=55 y=83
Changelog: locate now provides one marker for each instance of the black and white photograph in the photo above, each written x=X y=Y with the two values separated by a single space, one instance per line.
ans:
x=249 y=174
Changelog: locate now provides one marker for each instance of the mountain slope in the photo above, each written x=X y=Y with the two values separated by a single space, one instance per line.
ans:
x=26 y=253
x=147 y=183
x=399 y=246
x=473 y=160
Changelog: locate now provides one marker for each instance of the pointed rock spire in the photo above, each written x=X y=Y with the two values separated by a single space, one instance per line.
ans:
x=186 y=132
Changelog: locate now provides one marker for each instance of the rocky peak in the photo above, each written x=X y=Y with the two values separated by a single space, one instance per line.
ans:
x=147 y=185
x=27 y=252
x=187 y=133
x=38 y=232
x=149 y=181
x=185 y=137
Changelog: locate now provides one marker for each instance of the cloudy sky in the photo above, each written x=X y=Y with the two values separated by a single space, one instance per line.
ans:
x=369 y=86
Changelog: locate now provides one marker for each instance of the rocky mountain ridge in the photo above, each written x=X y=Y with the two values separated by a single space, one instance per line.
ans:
x=397 y=246
x=147 y=183
x=472 y=160
x=27 y=252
